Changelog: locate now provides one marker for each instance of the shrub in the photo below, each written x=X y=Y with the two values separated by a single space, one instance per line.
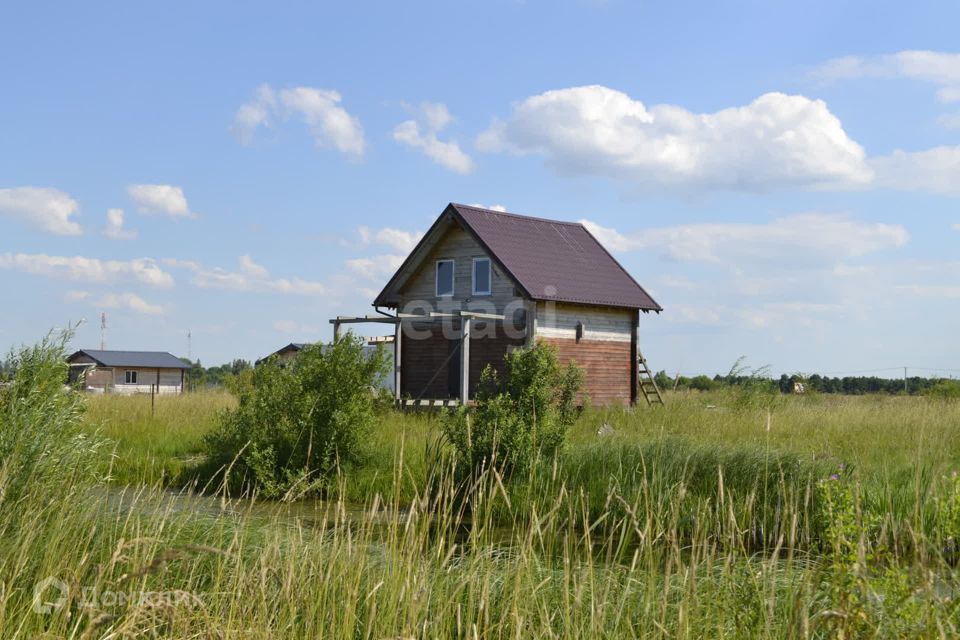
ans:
x=297 y=423
x=43 y=452
x=518 y=416
x=945 y=390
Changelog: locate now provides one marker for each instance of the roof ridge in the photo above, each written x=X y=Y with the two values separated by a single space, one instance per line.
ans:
x=516 y=215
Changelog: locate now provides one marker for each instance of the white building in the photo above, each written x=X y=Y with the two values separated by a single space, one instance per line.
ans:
x=128 y=371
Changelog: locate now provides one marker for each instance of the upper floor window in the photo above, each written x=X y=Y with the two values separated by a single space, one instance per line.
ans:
x=130 y=377
x=481 y=276
x=445 y=277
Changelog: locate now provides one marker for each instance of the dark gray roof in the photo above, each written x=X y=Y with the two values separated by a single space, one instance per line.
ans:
x=548 y=259
x=146 y=359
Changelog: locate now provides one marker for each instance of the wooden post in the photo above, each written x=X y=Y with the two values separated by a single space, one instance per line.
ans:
x=634 y=363
x=531 y=310
x=336 y=330
x=464 y=360
x=152 y=400
x=397 y=333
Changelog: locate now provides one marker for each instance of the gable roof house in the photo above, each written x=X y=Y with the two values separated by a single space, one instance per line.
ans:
x=127 y=372
x=482 y=282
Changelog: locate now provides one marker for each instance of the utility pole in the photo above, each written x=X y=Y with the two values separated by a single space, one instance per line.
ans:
x=189 y=345
x=103 y=331
x=906 y=389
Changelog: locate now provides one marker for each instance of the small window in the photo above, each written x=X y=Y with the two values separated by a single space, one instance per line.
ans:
x=131 y=377
x=444 y=277
x=481 y=276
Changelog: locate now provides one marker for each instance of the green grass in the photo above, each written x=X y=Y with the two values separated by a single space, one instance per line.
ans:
x=709 y=518
x=153 y=445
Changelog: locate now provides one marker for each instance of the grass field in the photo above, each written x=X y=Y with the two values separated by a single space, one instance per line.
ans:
x=709 y=518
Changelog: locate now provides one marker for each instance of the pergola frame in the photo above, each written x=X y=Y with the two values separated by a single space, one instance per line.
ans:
x=466 y=318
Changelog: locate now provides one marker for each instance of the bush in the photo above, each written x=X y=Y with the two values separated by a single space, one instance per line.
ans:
x=945 y=390
x=296 y=424
x=43 y=452
x=518 y=416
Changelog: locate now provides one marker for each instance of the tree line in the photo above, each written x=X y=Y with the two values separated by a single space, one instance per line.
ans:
x=847 y=385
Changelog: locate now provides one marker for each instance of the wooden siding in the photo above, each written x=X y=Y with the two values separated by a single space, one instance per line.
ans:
x=459 y=246
x=608 y=324
x=113 y=379
x=606 y=368
x=606 y=352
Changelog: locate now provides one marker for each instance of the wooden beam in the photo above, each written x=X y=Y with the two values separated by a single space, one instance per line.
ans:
x=397 y=335
x=465 y=360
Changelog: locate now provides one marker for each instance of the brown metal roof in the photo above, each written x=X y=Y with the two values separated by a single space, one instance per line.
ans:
x=548 y=259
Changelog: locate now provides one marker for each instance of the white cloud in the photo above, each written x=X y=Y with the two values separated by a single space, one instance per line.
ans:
x=807 y=237
x=777 y=140
x=329 y=123
x=376 y=267
x=48 y=209
x=254 y=114
x=936 y=170
x=422 y=135
x=956 y=227
x=493 y=207
x=251 y=277
x=938 y=68
x=162 y=199
x=949 y=120
x=395 y=238
x=128 y=301
x=114 y=229
x=79 y=268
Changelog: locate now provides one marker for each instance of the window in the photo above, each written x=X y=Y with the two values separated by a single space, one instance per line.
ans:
x=444 y=277
x=131 y=377
x=481 y=276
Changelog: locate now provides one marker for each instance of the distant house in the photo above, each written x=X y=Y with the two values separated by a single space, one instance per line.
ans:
x=284 y=354
x=483 y=282
x=128 y=372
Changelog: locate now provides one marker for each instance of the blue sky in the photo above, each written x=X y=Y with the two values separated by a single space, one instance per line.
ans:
x=784 y=180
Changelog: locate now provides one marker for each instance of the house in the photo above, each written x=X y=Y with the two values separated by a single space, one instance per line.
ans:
x=128 y=372
x=483 y=282
x=284 y=354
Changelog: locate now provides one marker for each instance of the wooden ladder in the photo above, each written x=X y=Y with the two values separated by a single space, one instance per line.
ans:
x=648 y=386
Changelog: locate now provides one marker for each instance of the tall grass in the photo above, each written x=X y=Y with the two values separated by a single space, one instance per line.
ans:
x=691 y=522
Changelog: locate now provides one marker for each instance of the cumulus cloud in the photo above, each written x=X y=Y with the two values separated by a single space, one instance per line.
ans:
x=395 y=238
x=421 y=133
x=376 y=267
x=938 y=68
x=128 y=301
x=82 y=269
x=935 y=170
x=50 y=210
x=777 y=140
x=160 y=199
x=254 y=114
x=493 y=207
x=250 y=277
x=329 y=123
x=114 y=229
x=798 y=238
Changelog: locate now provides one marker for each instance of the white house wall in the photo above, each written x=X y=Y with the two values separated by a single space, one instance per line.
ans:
x=608 y=324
